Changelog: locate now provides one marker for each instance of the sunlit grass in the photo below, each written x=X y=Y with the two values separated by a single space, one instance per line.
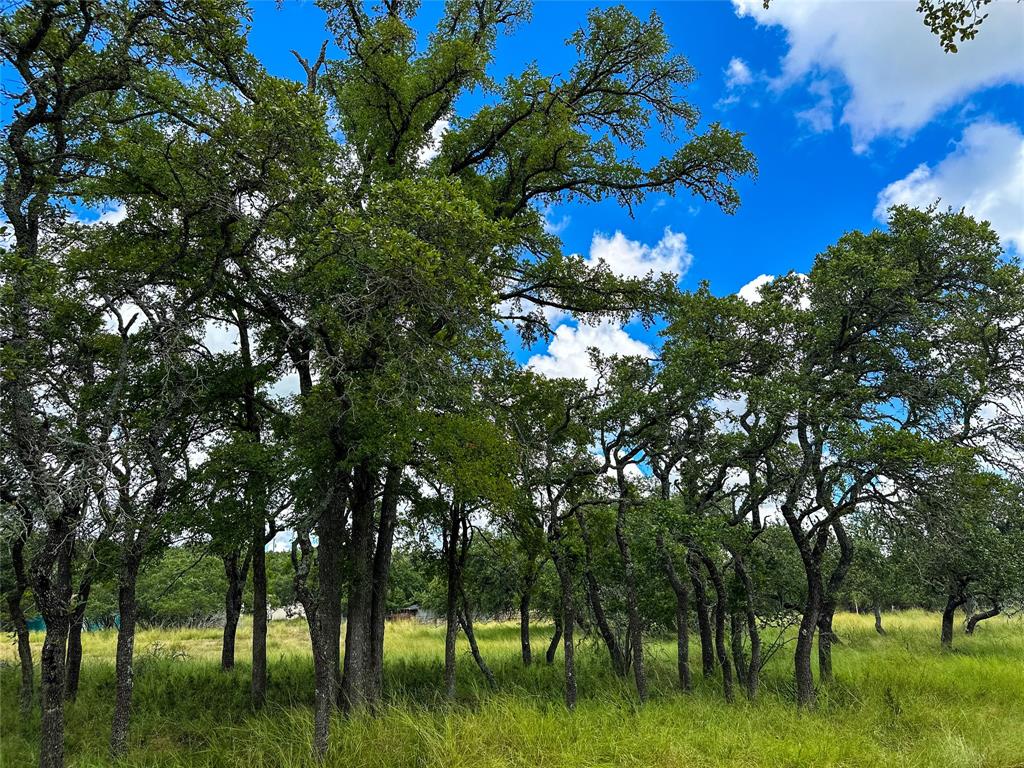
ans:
x=897 y=701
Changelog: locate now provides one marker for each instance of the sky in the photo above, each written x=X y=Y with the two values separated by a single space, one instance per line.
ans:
x=848 y=106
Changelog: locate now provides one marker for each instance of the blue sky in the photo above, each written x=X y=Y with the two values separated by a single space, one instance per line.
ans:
x=847 y=106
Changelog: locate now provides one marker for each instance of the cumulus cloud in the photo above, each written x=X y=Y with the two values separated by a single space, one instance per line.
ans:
x=433 y=147
x=113 y=212
x=568 y=354
x=751 y=292
x=631 y=258
x=896 y=76
x=738 y=74
x=984 y=174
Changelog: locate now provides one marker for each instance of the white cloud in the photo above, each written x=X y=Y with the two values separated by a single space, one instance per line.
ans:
x=220 y=337
x=630 y=258
x=113 y=212
x=983 y=174
x=433 y=146
x=552 y=225
x=568 y=355
x=896 y=72
x=738 y=74
x=751 y=292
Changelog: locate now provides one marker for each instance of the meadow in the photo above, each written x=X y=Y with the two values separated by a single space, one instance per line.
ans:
x=897 y=700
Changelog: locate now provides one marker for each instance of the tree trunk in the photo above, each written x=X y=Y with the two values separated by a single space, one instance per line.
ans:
x=991 y=613
x=51 y=586
x=73 y=670
x=324 y=680
x=52 y=679
x=549 y=657
x=466 y=622
x=700 y=599
x=124 y=660
x=594 y=598
x=805 y=695
x=452 y=604
x=236 y=576
x=259 y=617
x=753 y=674
x=720 y=610
x=878 y=620
x=257 y=547
x=381 y=573
x=568 y=624
x=948 y=615
x=736 y=643
x=323 y=614
x=682 y=594
x=826 y=636
x=524 y=629
x=634 y=628
x=14 y=597
x=357 y=681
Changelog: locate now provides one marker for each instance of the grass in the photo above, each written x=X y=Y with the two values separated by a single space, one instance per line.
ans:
x=897 y=701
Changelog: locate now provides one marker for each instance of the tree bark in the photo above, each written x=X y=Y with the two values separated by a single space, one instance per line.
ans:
x=753 y=673
x=51 y=693
x=50 y=575
x=124 y=660
x=357 y=680
x=236 y=576
x=826 y=636
x=451 y=604
x=524 y=629
x=14 y=597
x=323 y=612
x=682 y=593
x=618 y=658
x=73 y=670
x=466 y=622
x=991 y=613
x=954 y=601
x=720 y=610
x=736 y=643
x=568 y=624
x=700 y=600
x=805 y=695
x=381 y=573
x=878 y=620
x=632 y=601
x=258 y=689
x=549 y=656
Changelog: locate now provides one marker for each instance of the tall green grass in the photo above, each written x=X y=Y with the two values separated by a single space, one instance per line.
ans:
x=897 y=701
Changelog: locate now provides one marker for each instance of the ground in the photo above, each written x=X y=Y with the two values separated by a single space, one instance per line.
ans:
x=897 y=701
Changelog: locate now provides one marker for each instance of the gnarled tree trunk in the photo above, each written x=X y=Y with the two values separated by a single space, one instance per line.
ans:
x=258 y=689
x=878 y=619
x=357 y=681
x=636 y=640
x=556 y=637
x=14 y=597
x=682 y=593
x=124 y=673
x=954 y=601
x=618 y=658
x=826 y=636
x=703 y=611
x=721 y=606
x=991 y=613
x=236 y=573
x=381 y=573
